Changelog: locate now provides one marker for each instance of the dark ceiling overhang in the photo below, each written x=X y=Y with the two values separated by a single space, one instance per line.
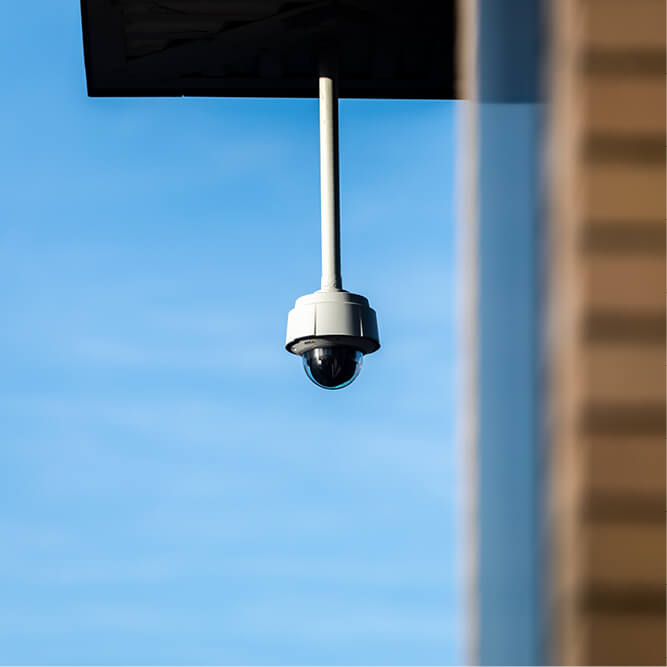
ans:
x=269 y=48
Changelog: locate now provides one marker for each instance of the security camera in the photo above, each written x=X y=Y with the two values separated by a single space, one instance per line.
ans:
x=331 y=329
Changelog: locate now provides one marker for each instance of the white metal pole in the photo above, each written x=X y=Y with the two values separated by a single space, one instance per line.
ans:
x=329 y=185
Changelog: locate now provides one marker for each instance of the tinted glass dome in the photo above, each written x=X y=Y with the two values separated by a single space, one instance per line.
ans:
x=332 y=367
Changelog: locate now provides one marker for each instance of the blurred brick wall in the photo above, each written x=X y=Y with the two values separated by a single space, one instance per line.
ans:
x=605 y=330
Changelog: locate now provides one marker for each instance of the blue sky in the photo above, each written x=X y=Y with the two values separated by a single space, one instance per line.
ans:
x=173 y=489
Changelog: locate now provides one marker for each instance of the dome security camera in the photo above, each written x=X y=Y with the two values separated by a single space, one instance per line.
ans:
x=331 y=329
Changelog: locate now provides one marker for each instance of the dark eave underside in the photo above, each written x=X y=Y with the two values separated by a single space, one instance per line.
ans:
x=268 y=48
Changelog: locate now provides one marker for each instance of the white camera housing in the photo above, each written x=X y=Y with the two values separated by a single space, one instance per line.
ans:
x=328 y=318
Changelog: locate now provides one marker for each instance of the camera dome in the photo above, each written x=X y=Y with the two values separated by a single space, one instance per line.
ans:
x=332 y=367
x=332 y=330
